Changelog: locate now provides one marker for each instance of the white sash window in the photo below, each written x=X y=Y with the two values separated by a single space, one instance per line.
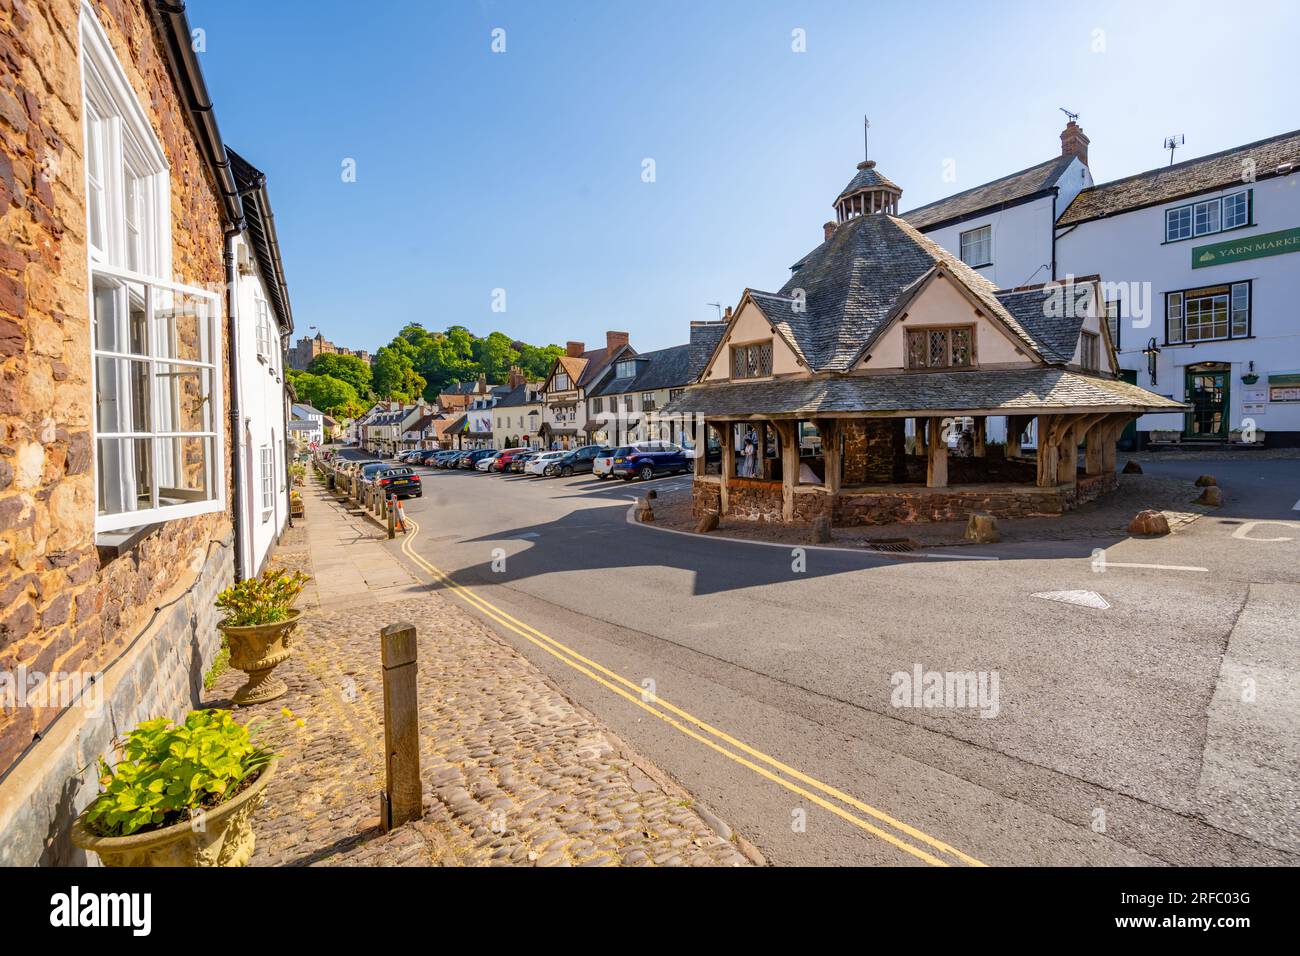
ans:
x=157 y=386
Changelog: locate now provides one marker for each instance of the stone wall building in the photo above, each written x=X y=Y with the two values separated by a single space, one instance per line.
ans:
x=309 y=347
x=116 y=528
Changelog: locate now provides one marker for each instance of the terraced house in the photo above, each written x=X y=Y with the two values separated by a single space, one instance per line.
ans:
x=124 y=232
x=1200 y=277
x=863 y=389
x=624 y=401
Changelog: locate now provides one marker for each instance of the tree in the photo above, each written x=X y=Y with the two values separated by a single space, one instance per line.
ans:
x=395 y=377
x=324 y=392
x=346 y=368
x=495 y=355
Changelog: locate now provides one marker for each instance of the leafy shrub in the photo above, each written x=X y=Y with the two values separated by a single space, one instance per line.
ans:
x=263 y=600
x=169 y=773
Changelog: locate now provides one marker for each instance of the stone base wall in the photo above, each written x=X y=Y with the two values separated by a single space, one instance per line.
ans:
x=1089 y=487
x=161 y=675
x=706 y=496
x=908 y=505
x=754 y=500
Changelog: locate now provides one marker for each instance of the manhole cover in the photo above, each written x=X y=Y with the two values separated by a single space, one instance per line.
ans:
x=1078 y=598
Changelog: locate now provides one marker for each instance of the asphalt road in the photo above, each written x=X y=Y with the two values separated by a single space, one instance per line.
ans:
x=1163 y=727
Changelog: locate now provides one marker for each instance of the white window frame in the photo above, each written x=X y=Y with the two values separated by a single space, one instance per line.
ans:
x=263 y=313
x=975 y=239
x=118 y=128
x=1206 y=217
x=561 y=382
x=266 y=475
x=625 y=369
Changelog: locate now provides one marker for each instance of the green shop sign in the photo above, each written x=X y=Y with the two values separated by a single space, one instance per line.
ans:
x=1268 y=244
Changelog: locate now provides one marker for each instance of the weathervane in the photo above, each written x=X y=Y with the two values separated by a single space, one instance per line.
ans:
x=866 y=143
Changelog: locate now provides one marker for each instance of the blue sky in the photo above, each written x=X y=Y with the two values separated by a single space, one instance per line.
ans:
x=522 y=170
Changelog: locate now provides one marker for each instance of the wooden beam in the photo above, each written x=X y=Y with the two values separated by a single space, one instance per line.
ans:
x=980 y=439
x=1048 y=452
x=936 y=460
x=789 y=435
x=832 y=454
x=701 y=463
x=727 y=435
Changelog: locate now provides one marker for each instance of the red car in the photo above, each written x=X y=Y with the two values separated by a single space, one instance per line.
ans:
x=502 y=462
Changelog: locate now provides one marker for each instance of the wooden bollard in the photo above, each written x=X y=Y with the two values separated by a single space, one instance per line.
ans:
x=392 y=519
x=402 y=798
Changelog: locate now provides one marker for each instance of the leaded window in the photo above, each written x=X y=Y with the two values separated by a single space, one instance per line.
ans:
x=941 y=348
x=751 y=361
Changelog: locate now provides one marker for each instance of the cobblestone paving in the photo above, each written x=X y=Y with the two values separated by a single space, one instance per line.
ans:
x=514 y=773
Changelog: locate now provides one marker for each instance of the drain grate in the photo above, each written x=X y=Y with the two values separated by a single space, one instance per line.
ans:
x=892 y=545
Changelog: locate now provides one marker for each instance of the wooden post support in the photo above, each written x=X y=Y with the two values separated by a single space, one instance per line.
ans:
x=980 y=438
x=728 y=434
x=1048 y=451
x=402 y=798
x=1015 y=428
x=936 y=471
x=788 y=432
x=829 y=429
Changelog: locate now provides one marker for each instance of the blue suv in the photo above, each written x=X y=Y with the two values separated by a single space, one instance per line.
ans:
x=649 y=459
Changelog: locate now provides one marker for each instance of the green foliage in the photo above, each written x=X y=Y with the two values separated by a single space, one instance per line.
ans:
x=351 y=369
x=220 y=664
x=439 y=359
x=325 y=392
x=263 y=600
x=169 y=774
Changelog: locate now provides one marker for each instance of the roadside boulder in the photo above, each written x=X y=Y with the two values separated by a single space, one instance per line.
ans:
x=708 y=522
x=1149 y=522
x=821 y=529
x=1206 y=481
x=982 y=528
x=1131 y=467
x=1211 y=495
x=643 y=510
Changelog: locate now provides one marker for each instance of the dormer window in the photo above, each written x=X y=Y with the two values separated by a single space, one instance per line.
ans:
x=625 y=369
x=752 y=361
x=941 y=348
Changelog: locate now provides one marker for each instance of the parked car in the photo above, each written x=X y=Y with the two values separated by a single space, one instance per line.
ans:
x=400 y=482
x=487 y=461
x=603 y=464
x=579 y=460
x=452 y=460
x=656 y=458
x=538 y=464
x=520 y=461
x=472 y=458
x=372 y=468
x=507 y=457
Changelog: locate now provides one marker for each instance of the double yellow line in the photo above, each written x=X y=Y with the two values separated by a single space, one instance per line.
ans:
x=799 y=783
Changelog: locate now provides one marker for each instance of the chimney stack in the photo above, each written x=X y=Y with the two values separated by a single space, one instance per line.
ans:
x=828 y=230
x=1074 y=142
x=574 y=349
x=614 y=341
x=516 y=377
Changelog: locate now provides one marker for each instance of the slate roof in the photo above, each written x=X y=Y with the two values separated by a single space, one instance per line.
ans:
x=854 y=283
x=704 y=339
x=1007 y=391
x=1192 y=176
x=1057 y=335
x=867 y=178
x=664 y=368
x=259 y=223
x=1015 y=188
x=518 y=396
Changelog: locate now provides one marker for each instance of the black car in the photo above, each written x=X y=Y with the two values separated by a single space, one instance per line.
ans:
x=578 y=460
x=400 y=482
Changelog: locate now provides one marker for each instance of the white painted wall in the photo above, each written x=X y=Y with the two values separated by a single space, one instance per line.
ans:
x=1022 y=235
x=261 y=383
x=1130 y=248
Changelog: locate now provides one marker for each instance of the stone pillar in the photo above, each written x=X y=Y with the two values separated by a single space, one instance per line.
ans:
x=936 y=469
x=885 y=450
x=728 y=463
x=980 y=437
x=855 y=450
x=1048 y=451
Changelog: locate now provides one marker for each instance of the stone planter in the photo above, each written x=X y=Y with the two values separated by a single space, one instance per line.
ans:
x=220 y=837
x=256 y=650
x=295 y=507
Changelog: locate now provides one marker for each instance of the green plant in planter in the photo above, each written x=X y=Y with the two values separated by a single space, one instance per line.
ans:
x=171 y=773
x=263 y=600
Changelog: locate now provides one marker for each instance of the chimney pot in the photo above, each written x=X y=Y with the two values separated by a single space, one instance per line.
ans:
x=727 y=314
x=574 y=349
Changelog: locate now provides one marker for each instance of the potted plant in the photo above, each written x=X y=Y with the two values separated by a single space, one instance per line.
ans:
x=260 y=616
x=298 y=472
x=295 y=503
x=181 y=795
x=1250 y=378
